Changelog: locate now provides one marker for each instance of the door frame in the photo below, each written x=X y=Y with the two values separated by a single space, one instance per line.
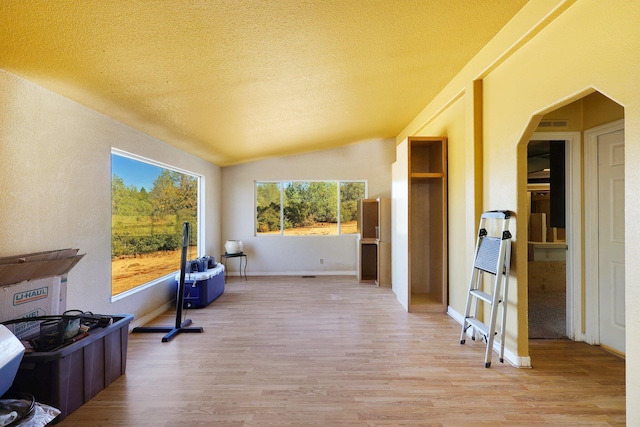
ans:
x=573 y=200
x=592 y=309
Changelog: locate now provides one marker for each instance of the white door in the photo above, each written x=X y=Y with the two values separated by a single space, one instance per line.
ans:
x=610 y=151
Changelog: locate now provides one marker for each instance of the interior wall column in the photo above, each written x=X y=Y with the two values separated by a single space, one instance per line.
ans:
x=632 y=253
x=474 y=177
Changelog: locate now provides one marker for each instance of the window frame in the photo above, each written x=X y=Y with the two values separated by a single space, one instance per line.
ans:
x=281 y=183
x=200 y=215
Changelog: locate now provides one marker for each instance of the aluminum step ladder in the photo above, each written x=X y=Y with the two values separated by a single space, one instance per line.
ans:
x=492 y=260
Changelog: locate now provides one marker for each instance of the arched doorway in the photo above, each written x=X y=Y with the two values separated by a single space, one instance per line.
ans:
x=560 y=282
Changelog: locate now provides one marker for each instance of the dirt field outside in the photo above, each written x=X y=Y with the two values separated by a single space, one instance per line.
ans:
x=319 y=229
x=127 y=273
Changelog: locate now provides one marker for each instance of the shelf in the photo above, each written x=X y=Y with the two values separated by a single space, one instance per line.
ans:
x=426 y=175
x=368 y=241
x=423 y=303
x=428 y=288
x=427 y=155
x=368 y=261
x=368 y=218
x=373 y=245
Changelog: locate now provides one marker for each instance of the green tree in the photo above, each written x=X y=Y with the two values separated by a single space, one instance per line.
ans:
x=117 y=194
x=127 y=200
x=164 y=194
x=144 y=222
x=143 y=203
x=350 y=193
x=296 y=208
x=267 y=206
x=306 y=203
x=322 y=199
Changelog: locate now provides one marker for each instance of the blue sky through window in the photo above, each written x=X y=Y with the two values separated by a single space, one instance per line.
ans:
x=134 y=172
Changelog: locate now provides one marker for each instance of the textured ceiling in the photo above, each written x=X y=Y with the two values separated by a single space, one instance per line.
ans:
x=240 y=80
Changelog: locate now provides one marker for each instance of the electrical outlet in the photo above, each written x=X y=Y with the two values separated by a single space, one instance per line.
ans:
x=321 y=260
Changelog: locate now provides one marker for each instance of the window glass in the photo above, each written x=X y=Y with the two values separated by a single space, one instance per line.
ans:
x=307 y=208
x=350 y=193
x=268 y=218
x=310 y=208
x=149 y=204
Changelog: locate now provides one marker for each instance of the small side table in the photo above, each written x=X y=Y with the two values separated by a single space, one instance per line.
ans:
x=240 y=255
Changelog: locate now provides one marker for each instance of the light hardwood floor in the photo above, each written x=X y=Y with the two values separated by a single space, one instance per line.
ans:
x=329 y=351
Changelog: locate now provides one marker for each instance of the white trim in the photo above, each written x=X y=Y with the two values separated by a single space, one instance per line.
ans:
x=281 y=187
x=139 y=288
x=152 y=315
x=592 y=327
x=512 y=358
x=455 y=315
x=573 y=185
x=295 y=273
x=592 y=311
x=132 y=156
x=200 y=215
x=509 y=356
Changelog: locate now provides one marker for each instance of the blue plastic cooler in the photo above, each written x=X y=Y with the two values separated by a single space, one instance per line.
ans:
x=200 y=289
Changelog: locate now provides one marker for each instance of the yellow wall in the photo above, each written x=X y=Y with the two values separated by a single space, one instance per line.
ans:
x=599 y=110
x=551 y=54
x=451 y=123
x=593 y=110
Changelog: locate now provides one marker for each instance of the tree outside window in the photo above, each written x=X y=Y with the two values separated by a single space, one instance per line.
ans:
x=268 y=207
x=350 y=193
x=307 y=208
x=149 y=204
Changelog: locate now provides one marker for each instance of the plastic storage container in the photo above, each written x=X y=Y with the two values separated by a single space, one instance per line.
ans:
x=69 y=377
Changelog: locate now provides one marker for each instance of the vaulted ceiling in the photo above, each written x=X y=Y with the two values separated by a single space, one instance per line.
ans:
x=233 y=81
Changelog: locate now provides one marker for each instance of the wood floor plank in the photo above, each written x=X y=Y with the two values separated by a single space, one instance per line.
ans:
x=329 y=351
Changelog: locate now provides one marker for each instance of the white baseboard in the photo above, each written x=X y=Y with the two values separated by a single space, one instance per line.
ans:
x=456 y=316
x=152 y=315
x=509 y=356
x=294 y=273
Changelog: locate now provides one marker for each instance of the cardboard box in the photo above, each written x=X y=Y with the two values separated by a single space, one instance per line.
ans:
x=39 y=256
x=19 y=268
x=538 y=227
x=34 y=285
x=31 y=298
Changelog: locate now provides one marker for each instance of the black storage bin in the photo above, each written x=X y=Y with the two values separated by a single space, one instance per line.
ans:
x=69 y=377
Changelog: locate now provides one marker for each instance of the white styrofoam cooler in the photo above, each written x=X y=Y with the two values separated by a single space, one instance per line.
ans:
x=11 y=351
x=202 y=275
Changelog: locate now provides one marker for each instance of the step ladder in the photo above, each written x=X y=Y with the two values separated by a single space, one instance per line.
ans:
x=491 y=260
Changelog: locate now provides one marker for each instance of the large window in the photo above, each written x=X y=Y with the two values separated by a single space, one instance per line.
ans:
x=149 y=204
x=308 y=207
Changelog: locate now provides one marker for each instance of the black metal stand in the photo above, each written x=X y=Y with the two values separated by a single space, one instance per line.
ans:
x=240 y=255
x=180 y=326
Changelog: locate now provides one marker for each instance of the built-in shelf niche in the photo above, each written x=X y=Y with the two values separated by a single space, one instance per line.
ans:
x=374 y=257
x=428 y=287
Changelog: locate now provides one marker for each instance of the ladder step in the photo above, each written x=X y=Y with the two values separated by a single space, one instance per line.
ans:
x=482 y=295
x=493 y=256
x=484 y=329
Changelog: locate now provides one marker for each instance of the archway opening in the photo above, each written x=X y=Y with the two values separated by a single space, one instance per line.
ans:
x=558 y=291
